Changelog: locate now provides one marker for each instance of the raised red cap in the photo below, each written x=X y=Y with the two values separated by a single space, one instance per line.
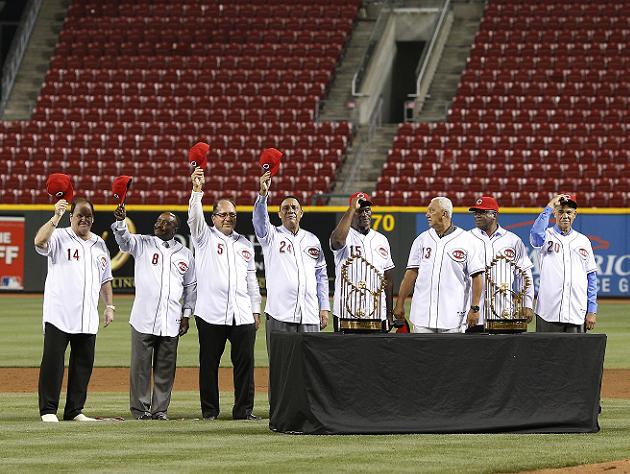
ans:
x=270 y=160
x=198 y=155
x=59 y=185
x=120 y=186
x=364 y=198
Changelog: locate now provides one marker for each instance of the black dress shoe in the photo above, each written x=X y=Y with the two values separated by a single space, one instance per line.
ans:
x=160 y=416
x=250 y=417
x=144 y=416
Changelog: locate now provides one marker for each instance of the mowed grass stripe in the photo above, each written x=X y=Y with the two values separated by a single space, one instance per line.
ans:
x=238 y=446
x=21 y=337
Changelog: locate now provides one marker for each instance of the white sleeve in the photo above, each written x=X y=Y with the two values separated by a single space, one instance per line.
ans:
x=590 y=265
x=390 y=263
x=127 y=241
x=107 y=271
x=253 y=290
x=196 y=220
x=475 y=263
x=51 y=245
x=415 y=254
x=260 y=218
x=524 y=262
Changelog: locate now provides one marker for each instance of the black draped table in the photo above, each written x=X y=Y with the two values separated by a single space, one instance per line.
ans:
x=325 y=383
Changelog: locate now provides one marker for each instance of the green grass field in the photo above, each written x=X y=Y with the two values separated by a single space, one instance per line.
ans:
x=186 y=444
x=240 y=446
x=21 y=336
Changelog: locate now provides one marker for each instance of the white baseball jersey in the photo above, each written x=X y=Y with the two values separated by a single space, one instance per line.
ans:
x=162 y=271
x=77 y=269
x=564 y=262
x=227 y=289
x=374 y=247
x=508 y=244
x=295 y=270
x=444 y=267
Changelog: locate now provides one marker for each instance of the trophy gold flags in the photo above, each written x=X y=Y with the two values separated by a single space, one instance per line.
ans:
x=506 y=285
x=361 y=298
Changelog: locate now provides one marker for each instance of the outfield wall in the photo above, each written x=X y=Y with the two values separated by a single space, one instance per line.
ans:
x=21 y=269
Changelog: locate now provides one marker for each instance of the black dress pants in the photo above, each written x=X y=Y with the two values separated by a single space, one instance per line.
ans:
x=51 y=371
x=212 y=338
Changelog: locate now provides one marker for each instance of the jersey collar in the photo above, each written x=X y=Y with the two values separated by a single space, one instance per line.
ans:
x=558 y=231
x=92 y=237
x=497 y=233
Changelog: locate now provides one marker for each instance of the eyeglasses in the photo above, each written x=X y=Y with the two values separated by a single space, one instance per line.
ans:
x=86 y=218
x=223 y=215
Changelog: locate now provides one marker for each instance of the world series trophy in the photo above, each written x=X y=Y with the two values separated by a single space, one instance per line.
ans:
x=360 y=303
x=506 y=285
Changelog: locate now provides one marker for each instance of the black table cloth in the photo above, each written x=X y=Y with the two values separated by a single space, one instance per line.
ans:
x=324 y=383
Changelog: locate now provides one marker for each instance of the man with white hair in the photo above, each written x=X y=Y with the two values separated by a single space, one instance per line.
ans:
x=441 y=261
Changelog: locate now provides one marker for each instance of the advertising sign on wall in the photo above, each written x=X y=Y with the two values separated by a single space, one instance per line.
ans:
x=11 y=253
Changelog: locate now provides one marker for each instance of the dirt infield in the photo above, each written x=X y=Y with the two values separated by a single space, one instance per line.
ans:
x=616 y=382
x=613 y=467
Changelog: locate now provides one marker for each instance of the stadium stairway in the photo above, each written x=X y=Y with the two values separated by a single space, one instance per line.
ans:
x=467 y=17
x=40 y=49
x=335 y=107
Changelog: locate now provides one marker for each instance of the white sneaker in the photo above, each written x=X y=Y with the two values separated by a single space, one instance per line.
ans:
x=82 y=417
x=50 y=418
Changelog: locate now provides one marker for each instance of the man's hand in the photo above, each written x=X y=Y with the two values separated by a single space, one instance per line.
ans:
x=120 y=213
x=355 y=204
x=323 y=318
x=108 y=316
x=257 y=320
x=399 y=312
x=529 y=314
x=183 y=326
x=472 y=319
x=198 y=179
x=555 y=201
x=265 y=183
x=591 y=319
x=60 y=207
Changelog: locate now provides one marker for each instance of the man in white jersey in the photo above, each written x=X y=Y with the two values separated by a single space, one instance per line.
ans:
x=228 y=302
x=441 y=261
x=494 y=240
x=79 y=269
x=567 y=294
x=295 y=268
x=354 y=237
x=164 y=274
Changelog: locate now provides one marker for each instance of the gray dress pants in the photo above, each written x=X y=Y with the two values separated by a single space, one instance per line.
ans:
x=155 y=355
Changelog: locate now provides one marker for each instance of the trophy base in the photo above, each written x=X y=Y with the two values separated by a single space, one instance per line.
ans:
x=505 y=326
x=348 y=326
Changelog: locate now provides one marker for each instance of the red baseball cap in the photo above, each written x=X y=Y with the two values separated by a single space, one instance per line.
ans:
x=571 y=201
x=198 y=155
x=485 y=203
x=120 y=186
x=59 y=185
x=270 y=160
x=364 y=199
